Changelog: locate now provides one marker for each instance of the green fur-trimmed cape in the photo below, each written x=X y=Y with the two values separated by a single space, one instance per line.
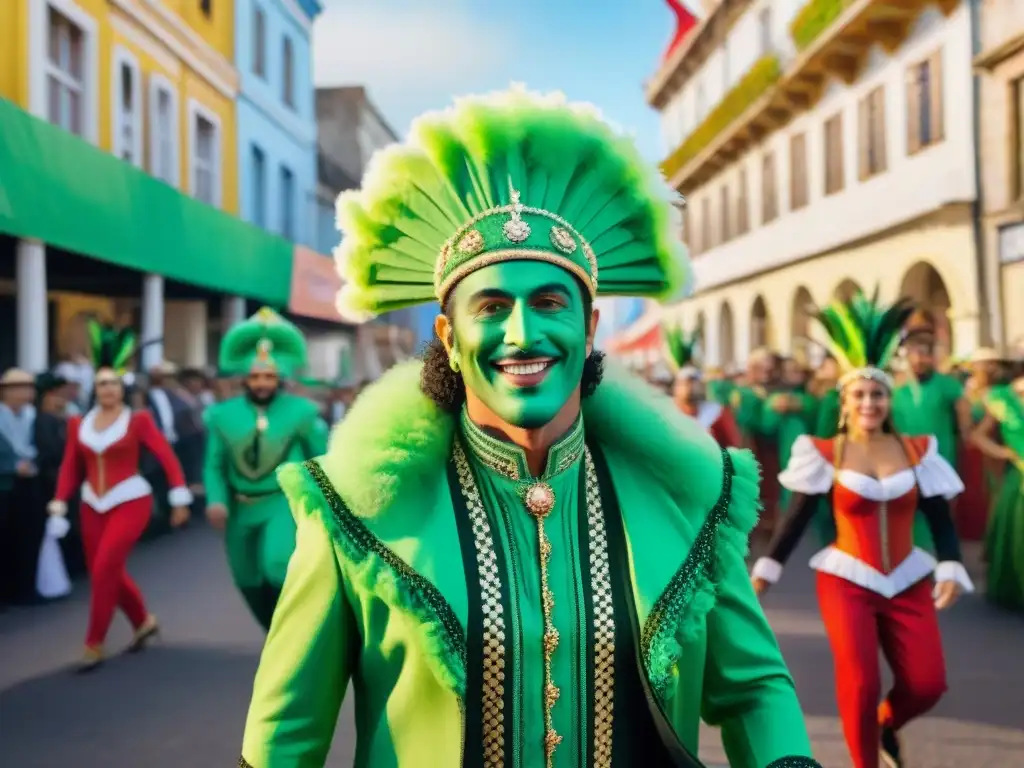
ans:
x=391 y=452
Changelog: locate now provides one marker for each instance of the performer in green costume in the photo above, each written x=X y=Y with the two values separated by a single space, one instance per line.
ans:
x=929 y=403
x=1005 y=540
x=788 y=413
x=750 y=405
x=503 y=550
x=249 y=436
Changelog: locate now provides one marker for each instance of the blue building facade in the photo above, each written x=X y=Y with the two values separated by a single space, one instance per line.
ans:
x=277 y=124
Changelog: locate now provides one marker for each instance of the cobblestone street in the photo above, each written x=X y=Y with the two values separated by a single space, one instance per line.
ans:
x=182 y=704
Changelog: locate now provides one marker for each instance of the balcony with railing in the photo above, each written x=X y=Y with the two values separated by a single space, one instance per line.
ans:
x=832 y=39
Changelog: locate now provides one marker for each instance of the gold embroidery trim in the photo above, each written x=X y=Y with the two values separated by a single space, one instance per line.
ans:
x=493 y=620
x=603 y=622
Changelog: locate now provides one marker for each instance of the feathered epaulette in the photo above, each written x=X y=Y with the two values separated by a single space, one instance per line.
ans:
x=863 y=332
x=111 y=347
x=679 y=346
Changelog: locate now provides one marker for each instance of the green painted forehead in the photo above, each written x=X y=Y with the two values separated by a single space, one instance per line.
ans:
x=516 y=279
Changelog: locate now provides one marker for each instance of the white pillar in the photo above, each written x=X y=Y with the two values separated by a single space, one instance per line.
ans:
x=233 y=311
x=712 y=351
x=32 y=311
x=367 y=355
x=152 y=321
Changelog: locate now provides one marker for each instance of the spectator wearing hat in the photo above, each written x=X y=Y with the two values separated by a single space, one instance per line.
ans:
x=51 y=431
x=191 y=429
x=19 y=502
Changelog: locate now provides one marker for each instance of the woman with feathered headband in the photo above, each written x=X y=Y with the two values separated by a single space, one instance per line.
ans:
x=874 y=587
x=689 y=392
x=101 y=461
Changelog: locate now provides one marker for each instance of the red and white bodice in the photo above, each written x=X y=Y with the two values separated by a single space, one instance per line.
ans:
x=104 y=464
x=719 y=423
x=874 y=517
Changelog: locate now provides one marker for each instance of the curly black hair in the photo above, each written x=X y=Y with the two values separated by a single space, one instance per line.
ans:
x=446 y=388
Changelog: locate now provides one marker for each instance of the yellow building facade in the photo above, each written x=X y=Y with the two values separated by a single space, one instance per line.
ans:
x=152 y=81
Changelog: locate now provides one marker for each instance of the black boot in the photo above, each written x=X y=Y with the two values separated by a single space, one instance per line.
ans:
x=891 y=748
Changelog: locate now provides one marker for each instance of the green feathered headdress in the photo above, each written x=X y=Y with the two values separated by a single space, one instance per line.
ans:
x=864 y=334
x=511 y=176
x=265 y=340
x=111 y=347
x=679 y=347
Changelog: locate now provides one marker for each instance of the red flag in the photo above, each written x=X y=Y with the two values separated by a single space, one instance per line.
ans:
x=685 y=22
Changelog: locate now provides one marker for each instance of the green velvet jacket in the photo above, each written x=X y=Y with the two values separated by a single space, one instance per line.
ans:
x=384 y=592
x=241 y=459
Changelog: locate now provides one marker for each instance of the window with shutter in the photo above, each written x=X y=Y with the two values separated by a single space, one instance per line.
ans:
x=863 y=137
x=834 y=178
x=769 y=201
x=935 y=97
x=705 y=224
x=925 y=104
x=726 y=218
x=1017 y=168
x=798 y=172
x=876 y=136
x=742 y=206
x=913 y=111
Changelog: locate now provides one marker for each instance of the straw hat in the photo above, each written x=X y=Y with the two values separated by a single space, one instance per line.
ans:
x=16 y=377
x=986 y=355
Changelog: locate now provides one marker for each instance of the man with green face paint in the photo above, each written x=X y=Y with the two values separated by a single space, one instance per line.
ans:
x=518 y=556
x=248 y=437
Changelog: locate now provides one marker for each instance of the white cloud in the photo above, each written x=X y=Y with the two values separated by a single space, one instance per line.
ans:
x=423 y=51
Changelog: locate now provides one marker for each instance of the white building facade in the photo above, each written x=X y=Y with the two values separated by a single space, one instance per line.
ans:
x=817 y=159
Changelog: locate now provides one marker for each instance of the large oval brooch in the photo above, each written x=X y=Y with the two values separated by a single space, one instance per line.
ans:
x=539 y=499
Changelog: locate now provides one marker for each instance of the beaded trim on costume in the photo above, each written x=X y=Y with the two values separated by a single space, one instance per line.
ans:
x=243 y=763
x=665 y=616
x=365 y=542
x=509 y=460
x=795 y=762
x=489 y=576
x=603 y=621
x=501 y=456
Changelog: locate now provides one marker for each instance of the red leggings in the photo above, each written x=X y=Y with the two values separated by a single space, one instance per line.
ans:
x=108 y=538
x=859 y=622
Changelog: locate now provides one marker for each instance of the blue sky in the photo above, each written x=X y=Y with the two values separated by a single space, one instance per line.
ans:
x=415 y=56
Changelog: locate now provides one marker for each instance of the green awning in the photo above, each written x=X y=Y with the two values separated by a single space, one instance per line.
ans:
x=57 y=188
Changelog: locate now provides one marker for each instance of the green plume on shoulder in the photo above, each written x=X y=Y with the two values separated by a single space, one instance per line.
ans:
x=679 y=346
x=111 y=347
x=863 y=332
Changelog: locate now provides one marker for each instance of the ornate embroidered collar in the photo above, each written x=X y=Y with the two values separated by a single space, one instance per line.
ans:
x=509 y=460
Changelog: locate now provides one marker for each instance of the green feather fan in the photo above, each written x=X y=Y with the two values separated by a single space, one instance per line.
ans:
x=863 y=332
x=111 y=347
x=679 y=346
x=440 y=205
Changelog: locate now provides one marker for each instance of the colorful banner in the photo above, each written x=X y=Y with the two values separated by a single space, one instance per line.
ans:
x=315 y=284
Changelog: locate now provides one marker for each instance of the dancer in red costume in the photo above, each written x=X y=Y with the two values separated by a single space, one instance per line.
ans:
x=875 y=589
x=689 y=393
x=101 y=460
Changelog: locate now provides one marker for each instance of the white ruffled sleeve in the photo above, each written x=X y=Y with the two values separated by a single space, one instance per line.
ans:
x=808 y=472
x=935 y=475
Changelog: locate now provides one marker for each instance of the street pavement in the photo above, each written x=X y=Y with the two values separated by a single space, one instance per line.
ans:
x=182 y=704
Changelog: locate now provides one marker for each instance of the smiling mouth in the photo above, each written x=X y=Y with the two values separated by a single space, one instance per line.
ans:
x=525 y=373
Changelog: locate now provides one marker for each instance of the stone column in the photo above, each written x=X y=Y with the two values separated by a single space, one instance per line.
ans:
x=32 y=307
x=233 y=311
x=152 y=321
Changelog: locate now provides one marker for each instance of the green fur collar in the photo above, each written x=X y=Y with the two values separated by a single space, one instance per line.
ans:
x=395 y=440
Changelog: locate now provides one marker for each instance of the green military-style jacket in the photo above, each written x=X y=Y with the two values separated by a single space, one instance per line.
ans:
x=241 y=460
x=399 y=586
